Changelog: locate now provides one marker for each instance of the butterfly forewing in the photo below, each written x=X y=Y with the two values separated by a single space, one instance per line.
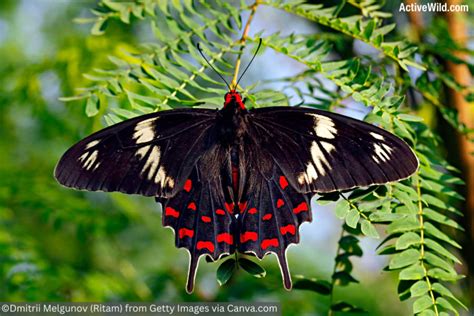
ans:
x=149 y=155
x=320 y=151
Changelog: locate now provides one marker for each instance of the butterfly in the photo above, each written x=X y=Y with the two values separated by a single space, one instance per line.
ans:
x=236 y=179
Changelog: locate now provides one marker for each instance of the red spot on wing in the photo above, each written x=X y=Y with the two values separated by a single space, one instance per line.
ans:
x=244 y=237
x=188 y=185
x=225 y=237
x=283 y=182
x=302 y=207
x=253 y=210
x=288 y=229
x=184 y=232
x=169 y=211
x=280 y=203
x=242 y=207
x=220 y=211
x=273 y=242
x=205 y=245
x=192 y=206
x=229 y=207
x=206 y=219
x=267 y=217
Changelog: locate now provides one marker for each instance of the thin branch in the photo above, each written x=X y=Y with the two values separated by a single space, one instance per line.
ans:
x=333 y=281
x=242 y=42
x=422 y=242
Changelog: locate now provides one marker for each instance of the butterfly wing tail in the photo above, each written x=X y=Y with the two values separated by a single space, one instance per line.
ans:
x=201 y=223
x=271 y=220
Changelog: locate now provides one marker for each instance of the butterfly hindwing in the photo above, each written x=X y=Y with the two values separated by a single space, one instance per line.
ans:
x=149 y=155
x=271 y=218
x=201 y=217
x=320 y=151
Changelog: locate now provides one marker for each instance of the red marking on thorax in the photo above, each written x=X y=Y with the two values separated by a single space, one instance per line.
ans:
x=291 y=229
x=280 y=203
x=184 y=232
x=267 y=217
x=253 y=210
x=188 y=185
x=269 y=243
x=302 y=207
x=206 y=219
x=192 y=206
x=283 y=182
x=232 y=94
x=225 y=237
x=248 y=236
x=220 y=211
x=205 y=244
x=169 y=211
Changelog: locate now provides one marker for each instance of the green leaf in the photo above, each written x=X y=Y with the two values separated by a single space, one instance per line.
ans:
x=414 y=272
x=332 y=197
x=343 y=263
x=442 y=290
x=410 y=118
x=439 y=262
x=443 y=275
x=253 y=268
x=446 y=305
x=92 y=105
x=383 y=217
x=318 y=286
x=430 y=312
x=408 y=223
x=99 y=26
x=368 y=229
x=225 y=271
x=433 y=245
x=350 y=245
x=343 y=278
x=406 y=240
x=405 y=258
x=419 y=288
x=369 y=29
x=352 y=218
x=422 y=303
x=342 y=209
x=431 y=230
x=441 y=218
x=361 y=193
x=344 y=307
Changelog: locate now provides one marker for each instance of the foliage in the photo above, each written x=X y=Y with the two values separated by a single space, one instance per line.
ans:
x=418 y=216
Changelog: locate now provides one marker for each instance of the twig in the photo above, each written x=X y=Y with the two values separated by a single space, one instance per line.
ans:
x=242 y=42
x=331 y=295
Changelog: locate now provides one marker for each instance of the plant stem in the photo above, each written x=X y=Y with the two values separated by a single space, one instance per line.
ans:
x=338 y=249
x=242 y=42
x=422 y=237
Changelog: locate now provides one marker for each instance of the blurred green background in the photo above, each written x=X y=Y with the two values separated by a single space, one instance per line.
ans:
x=58 y=244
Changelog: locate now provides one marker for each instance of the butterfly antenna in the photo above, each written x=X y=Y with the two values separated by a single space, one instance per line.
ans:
x=210 y=65
x=251 y=60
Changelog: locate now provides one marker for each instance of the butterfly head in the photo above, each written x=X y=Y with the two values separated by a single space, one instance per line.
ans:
x=235 y=98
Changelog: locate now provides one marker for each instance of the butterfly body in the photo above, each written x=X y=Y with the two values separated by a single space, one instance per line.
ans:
x=236 y=179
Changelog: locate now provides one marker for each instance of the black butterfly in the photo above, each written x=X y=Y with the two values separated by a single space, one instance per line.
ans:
x=236 y=179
